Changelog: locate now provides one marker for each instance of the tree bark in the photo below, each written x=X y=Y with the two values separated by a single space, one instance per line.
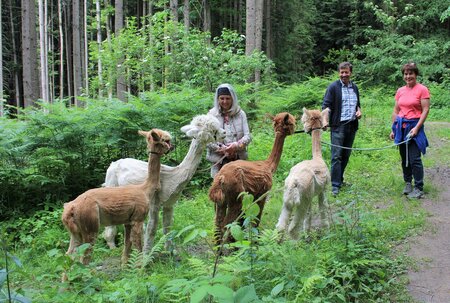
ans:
x=61 y=51
x=186 y=13
x=69 y=59
x=118 y=25
x=15 y=58
x=174 y=10
x=250 y=20
x=99 y=45
x=29 y=54
x=86 y=49
x=207 y=17
x=77 y=60
x=1 y=65
x=259 y=6
x=43 y=51
x=268 y=16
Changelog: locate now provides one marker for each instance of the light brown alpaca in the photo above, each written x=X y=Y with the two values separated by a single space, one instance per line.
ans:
x=306 y=180
x=126 y=205
x=253 y=177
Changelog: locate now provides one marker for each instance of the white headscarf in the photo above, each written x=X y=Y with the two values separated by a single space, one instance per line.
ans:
x=235 y=108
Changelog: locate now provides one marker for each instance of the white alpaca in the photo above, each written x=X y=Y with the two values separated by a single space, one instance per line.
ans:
x=203 y=129
x=306 y=180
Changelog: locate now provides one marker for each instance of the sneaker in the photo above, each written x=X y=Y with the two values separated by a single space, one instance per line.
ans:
x=335 y=191
x=415 y=194
x=408 y=188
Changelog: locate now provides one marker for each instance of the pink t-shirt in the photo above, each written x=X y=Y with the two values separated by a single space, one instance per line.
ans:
x=408 y=100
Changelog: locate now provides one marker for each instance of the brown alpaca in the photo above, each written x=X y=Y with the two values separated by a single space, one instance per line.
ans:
x=126 y=205
x=253 y=177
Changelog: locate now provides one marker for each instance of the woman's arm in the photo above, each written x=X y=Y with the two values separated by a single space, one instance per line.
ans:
x=425 y=103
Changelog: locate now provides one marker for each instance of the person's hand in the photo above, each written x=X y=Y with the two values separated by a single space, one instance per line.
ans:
x=231 y=149
x=413 y=132
x=358 y=114
x=391 y=136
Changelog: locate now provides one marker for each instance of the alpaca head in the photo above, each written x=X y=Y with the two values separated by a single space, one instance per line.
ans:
x=158 y=141
x=284 y=123
x=205 y=128
x=314 y=119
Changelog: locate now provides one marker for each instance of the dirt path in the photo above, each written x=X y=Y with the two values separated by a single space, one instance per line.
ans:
x=430 y=281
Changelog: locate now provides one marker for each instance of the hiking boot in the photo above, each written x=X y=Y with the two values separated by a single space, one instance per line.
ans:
x=335 y=191
x=408 y=188
x=415 y=194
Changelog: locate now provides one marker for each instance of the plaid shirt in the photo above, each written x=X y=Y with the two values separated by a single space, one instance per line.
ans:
x=349 y=101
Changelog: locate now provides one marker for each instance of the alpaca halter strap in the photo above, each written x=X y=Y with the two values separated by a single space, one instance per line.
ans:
x=310 y=131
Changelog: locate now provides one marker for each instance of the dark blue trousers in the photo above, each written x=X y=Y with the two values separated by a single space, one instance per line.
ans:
x=343 y=135
x=415 y=166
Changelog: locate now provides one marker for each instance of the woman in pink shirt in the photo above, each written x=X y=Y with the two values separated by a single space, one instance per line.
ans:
x=412 y=104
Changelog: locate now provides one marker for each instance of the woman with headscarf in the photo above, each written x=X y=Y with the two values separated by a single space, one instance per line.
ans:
x=234 y=120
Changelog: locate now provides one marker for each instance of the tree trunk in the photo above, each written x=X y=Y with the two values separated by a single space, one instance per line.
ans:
x=186 y=13
x=69 y=58
x=99 y=45
x=1 y=65
x=29 y=54
x=86 y=50
x=150 y=42
x=206 y=17
x=43 y=51
x=250 y=20
x=174 y=10
x=77 y=60
x=61 y=52
x=118 y=25
x=108 y=37
x=259 y=5
x=268 y=15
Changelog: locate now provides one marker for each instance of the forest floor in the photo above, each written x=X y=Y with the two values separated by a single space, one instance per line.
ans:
x=429 y=279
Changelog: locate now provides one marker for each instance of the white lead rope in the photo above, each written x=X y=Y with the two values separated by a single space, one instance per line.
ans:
x=408 y=138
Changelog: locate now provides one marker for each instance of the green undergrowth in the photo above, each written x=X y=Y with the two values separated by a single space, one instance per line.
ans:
x=356 y=260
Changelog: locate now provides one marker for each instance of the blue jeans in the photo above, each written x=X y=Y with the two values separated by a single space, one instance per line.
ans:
x=415 y=166
x=343 y=135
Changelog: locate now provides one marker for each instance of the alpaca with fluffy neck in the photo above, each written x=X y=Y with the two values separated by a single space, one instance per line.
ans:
x=306 y=180
x=128 y=205
x=203 y=129
x=253 y=177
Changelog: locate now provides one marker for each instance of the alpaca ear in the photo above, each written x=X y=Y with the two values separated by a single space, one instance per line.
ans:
x=185 y=129
x=143 y=133
x=305 y=111
x=286 y=118
x=192 y=132
x=155 y=135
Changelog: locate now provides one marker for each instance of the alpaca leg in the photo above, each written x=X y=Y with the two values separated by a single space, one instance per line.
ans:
x=126 y=244
x=261 y=205
x=109 y=234
x=308 y=219
x=88 y=238
x=323 y=206
x=285 y=215
x=136 y=235
x=298 y=219
x=221 y=211
x=151 y=228
x=167 y=223
x=233 y=212
x=74 y=243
